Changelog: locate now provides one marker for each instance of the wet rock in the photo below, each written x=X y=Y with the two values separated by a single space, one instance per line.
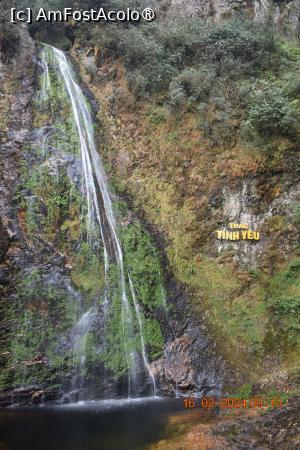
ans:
x=4 y=240
x=279 y=429
x=175 y=367
x=29 y=395
x=4 y=275
x=37 y=397
x=189 y=364
x=20 y=396
x=18 y=136
x=52 y=394
x=71 y=397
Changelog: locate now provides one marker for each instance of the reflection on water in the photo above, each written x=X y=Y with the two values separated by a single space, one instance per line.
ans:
x=94 y=425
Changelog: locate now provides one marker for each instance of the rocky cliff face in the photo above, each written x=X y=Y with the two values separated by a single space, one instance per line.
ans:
x=47 y=274
x=186 y=171
x=190 y=173
x=17 y=78
x=281 y=12
x=17 y=88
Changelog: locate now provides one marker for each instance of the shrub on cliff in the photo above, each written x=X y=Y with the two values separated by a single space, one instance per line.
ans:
x=138 y=83
x=195 y=50
x=193 y=62
x=197 y=81
x=286 y=308
x=177 y=96
x=218 y=120
x=240 y=47
x=271 y=111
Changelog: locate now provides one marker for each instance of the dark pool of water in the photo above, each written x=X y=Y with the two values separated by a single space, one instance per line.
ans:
x=103 y=425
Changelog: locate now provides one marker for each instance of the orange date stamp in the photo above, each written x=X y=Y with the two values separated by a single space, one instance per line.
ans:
x=232 y=403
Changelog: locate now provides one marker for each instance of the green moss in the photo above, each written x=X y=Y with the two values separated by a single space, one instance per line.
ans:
x=53 y=207
x=31 y=224
x=88 y=271
x=240 y=318
x=284 y=304
x=142 y=261
x=244 y=391
x=40 y=315
x=71 y=228
x=124 y=337
x=296 y=214
x=153 y=338
x=274 y=224
x=44 y=314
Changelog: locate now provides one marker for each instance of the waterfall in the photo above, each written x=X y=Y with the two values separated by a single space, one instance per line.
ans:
x=79 y=335
x=46 y=83
x=100 y=216
x=137 y=311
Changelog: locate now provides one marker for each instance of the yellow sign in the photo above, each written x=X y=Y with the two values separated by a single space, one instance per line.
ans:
x=242 y=234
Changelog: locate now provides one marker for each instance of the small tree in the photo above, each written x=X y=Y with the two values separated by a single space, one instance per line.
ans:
x=177 y=97
x=271 y=111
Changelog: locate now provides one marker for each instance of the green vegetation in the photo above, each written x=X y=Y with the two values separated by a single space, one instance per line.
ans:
x=142 y=264
x=296 y=214
x=237 y=76
x=246 y=392
x=40 y=315
x=242 y=318
x=163 y=52
x=213 y=104
x=285 y=306
x=88 y=272
x=52 y=104
x=142 y=260
x=280 y=396
x=153 y=338
x=271 y=111
x=53 y=204
x=52 y=212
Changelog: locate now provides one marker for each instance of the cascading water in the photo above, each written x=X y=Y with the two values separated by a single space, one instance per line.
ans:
x=46 y=77
x=137 y=310
x=102 y=226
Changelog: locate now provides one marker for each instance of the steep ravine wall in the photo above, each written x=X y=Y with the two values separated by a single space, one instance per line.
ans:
x=43 y=283
x=226 y=299
x=189 y=188
x=285 y=13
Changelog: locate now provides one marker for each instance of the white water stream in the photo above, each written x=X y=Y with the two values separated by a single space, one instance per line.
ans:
x=144 y=353
x=102 y=216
